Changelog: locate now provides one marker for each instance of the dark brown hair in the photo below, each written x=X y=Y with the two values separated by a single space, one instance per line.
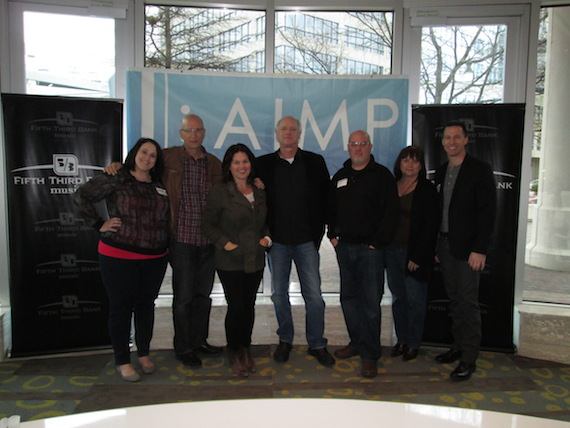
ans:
x=414 y=152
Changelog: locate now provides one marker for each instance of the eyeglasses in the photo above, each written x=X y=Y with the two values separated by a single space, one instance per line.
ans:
x=192 y=130
x=358 y=143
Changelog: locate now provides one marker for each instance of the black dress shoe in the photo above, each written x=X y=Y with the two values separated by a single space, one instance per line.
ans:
x=410 y=354
x=323 y=356
x=449 y=357
x=206 y=348
x=190 y=359
x=282 y=351
x=398 y=350
x=463 y=371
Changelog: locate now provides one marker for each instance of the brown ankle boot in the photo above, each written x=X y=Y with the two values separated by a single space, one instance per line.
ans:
x=246 y=360
x=235 y=363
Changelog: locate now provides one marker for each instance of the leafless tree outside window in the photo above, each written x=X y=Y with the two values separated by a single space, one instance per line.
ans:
x=189 y=38
x=333 y=43
x=462 y=64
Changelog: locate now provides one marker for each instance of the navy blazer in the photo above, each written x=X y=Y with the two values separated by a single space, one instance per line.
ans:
x=472 y=207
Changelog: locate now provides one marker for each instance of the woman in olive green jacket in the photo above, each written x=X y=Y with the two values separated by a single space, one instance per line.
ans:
x=234 y=220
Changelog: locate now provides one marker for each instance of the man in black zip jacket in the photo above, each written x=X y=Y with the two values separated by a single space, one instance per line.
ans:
x=363 y=216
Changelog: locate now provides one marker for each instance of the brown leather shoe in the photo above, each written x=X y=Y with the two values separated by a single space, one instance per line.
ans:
x=346 y=352
x=247 y=361
x=369 y=369
x=235 y=363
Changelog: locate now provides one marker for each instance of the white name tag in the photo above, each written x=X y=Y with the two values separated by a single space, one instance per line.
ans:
x=341 y=183
x=161 y=191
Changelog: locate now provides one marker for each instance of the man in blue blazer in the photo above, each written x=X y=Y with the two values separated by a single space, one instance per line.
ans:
x=468 y=195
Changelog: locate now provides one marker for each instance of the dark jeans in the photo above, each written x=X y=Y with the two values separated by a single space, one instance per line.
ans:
x=132 y=287
x=462 y=286
x=240 y=289
x=192 y=282
x=409 y=298
x=361 y=289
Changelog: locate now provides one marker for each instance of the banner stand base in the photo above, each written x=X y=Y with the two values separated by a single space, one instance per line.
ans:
x=509 y=350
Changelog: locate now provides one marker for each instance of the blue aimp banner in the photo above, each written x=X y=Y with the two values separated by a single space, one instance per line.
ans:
x=244 y=108
x=53 y=145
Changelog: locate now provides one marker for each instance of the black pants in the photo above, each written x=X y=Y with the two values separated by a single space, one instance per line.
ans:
x=132 y=287
x=240 y=289
x=192 y=281
x=462 y=287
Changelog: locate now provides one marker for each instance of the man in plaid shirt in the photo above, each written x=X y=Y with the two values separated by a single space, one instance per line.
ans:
x=189 y=174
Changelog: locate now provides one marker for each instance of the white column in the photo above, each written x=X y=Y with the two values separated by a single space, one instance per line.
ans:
x=550 y=245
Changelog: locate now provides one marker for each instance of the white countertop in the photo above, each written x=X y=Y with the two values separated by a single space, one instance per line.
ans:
x=294 y=413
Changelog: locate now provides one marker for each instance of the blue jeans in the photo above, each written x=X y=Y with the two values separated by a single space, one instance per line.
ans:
x=462 y=287
x=409 y=298
x=132 y=287
x=192 y=281
x=361 y=290
x=306 y=258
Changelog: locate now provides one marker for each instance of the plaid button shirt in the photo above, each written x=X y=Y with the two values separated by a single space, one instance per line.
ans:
x=195 y=188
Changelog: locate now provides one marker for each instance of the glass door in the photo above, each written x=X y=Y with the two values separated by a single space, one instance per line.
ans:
x=467 y=55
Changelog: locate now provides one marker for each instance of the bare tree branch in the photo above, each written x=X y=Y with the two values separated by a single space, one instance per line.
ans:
x=462 y=64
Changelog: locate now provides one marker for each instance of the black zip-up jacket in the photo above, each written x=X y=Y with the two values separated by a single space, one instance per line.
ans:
x=364 y=205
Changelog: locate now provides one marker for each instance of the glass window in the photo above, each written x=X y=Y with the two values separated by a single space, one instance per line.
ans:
x=333 y=42
x=462 y=64
x=60 y=64
x=296 y=60
x=191 y=38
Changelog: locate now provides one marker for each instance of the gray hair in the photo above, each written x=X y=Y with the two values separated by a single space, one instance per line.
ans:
x=366 y=134
x=296 y=120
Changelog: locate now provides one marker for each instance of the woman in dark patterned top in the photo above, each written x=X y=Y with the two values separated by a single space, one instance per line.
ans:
x=132 y=249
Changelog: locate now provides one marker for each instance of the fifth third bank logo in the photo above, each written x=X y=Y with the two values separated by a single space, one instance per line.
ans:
x=65 y=164
x=64 y=118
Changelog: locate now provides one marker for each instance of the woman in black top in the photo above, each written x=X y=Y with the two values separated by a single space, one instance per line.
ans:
x=132 y=249
x=410 y=256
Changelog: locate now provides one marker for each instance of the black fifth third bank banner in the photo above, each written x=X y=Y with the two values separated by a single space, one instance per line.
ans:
x=496 y=137
x=53 y=145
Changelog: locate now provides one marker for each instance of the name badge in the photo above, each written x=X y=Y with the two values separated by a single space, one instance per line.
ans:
x=161 y=191
x=342 y=183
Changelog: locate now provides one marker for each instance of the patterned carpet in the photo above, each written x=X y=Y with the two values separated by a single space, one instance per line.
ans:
x=39 y=388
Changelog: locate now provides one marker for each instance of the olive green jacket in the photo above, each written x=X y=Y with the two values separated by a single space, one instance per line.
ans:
x=230 y=217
